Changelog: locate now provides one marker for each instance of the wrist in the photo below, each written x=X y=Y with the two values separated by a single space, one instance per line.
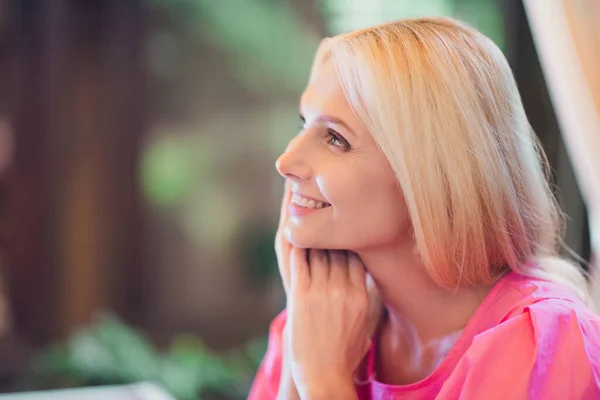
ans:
x=329 y=388
x=287 y=388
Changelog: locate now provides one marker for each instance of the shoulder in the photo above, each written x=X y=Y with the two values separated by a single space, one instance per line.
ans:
x=544 y=315
x=546 y=345
x=547 y=324
x=552 y=314
x=564 y=333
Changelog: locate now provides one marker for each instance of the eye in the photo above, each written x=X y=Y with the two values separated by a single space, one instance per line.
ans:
x=337 y=140
x=334 y=138
x=302 y=124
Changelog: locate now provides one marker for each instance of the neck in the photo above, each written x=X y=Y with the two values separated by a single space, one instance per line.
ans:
x=419 y=310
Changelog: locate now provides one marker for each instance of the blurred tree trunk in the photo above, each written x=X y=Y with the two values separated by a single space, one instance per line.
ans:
x=73 y=219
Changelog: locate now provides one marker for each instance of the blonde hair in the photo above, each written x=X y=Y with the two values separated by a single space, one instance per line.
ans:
x=441 y=102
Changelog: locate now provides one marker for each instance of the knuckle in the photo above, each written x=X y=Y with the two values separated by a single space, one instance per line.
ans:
x=338 y=294
x=321 y=256
x=360 y=301
x=318 y=256
x=336 y=256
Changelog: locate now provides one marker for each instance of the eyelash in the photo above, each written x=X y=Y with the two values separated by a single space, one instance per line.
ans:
x=332 y=134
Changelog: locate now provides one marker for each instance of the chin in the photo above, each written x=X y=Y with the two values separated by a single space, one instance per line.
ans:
x=301 y=238
x=301 y=241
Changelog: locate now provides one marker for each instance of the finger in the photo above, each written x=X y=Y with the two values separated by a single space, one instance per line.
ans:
x=283 y=262
x=356 y=270
x=282 y=251
x=299 y=270
x=282 y=246
x=284 y=212
x=319 y=267
x=339 y=266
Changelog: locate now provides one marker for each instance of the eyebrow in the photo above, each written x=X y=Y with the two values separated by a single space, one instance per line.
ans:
x=329 y=118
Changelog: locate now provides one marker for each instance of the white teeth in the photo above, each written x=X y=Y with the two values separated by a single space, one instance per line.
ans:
x=307 y=203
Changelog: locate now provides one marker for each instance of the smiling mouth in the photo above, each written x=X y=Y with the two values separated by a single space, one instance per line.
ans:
x=304 y=202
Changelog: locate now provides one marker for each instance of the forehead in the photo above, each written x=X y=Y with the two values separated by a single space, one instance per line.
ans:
x=324 y=94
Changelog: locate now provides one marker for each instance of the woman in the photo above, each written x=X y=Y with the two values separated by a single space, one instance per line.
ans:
x=416 y=173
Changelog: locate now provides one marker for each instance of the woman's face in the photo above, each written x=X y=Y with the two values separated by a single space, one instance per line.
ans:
x=335 y=160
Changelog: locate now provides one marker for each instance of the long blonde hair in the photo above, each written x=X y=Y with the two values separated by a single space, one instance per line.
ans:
x=441 y=102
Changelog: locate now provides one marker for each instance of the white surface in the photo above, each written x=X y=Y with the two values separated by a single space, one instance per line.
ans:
x=139 y=391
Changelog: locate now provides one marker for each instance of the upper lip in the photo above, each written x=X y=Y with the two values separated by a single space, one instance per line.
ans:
x=309 y=197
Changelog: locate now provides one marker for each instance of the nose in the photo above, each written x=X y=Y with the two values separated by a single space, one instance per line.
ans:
x=292 y=164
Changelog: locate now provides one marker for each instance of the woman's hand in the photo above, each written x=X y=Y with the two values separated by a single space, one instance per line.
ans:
x=287 y=388
x=283 y=251
x=282 y=246
x=328 y=307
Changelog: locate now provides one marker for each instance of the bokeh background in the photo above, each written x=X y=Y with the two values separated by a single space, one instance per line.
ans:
x=138 y=195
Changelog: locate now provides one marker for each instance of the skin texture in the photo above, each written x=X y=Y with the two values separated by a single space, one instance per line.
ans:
x=331 y=260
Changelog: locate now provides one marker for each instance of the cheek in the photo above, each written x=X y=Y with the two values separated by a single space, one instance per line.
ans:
x=369 y=210
x=339 y=190
x=381 y=221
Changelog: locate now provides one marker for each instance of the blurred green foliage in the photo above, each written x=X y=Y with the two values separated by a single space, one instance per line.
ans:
x=268 y=49
x=168 y=172
x=256 y=244
x=174 y=165
x=111 y=352
x=344 y=16
x=267 y=46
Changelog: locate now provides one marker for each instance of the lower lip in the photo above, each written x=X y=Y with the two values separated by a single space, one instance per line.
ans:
x=298 y=211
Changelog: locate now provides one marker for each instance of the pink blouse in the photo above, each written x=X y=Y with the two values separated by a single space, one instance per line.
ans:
x=529 y=339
